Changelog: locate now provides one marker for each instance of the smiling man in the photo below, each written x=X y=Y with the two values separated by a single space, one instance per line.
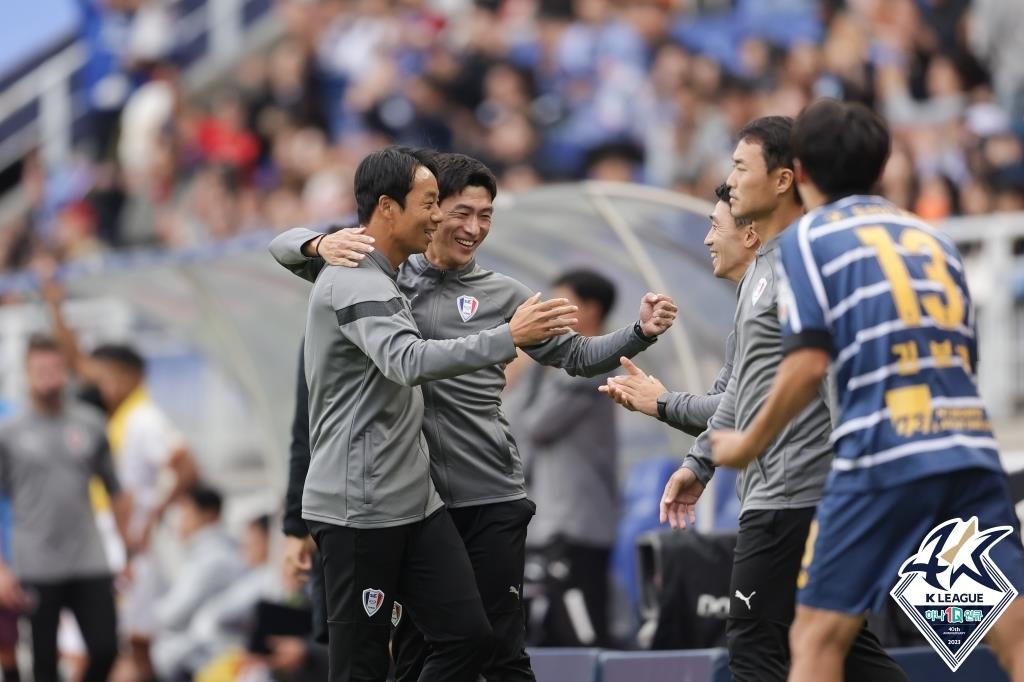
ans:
x=732 y=244
x=475 y=463
x=369 y=501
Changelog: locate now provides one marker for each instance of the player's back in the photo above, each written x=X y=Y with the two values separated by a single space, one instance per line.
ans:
x=903 y=345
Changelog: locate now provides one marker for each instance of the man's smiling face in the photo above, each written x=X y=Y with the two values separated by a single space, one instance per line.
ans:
x=465 y=224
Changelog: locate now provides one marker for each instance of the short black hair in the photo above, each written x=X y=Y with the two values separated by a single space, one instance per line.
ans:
x=262 y=523
x=388 y=172
x=842 y=146
x=120 y=354
x=773 y=133
x=722 y=194
x=205 y=498
x=456 y=172
x=41 y=343
x=590 y=286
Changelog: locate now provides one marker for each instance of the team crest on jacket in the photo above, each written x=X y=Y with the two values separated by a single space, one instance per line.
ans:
x=467 y=307
x=762 y=284
x=372 y=601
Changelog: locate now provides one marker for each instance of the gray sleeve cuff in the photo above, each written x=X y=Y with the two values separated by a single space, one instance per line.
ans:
x=702 y=467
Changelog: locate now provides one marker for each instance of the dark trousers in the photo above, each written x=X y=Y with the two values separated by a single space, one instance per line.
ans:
x=575 y=588
x=769 y=547
x=424 y=562
x=495 y=539
x=91 y=600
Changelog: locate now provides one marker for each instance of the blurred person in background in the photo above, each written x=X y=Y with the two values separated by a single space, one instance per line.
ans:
x=210 y=565
x=151 y=457
x=222 y=621
x=155 y=467
x=48 y=454
x=570 y=445
x=8 y=616
x=732 y=243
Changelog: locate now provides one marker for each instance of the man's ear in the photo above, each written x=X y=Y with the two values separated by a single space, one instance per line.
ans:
x=750 y=238
x=785 y=181
x=386 y=206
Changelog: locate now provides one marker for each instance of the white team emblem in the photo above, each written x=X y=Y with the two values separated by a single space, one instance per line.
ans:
x=372 y=601
x=467 y=306
x=739 y=595
x=396 y=614
x=762 y=284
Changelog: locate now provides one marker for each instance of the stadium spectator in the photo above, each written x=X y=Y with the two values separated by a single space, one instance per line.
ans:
x=222 y=621
x=533 y=88
x=48 y=454
x=209 y=566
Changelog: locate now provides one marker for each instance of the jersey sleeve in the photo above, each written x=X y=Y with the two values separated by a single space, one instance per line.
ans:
x=802 y=303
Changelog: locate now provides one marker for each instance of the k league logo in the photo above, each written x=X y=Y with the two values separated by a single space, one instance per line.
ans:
x=952 y=590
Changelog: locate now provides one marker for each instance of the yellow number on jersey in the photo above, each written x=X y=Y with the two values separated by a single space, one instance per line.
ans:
x=946 y=314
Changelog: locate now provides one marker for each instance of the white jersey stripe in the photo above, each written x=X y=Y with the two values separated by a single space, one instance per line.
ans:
x=914 y=448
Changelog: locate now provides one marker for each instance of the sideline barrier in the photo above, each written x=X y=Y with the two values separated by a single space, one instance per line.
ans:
x=565 y=664
x=712 y=665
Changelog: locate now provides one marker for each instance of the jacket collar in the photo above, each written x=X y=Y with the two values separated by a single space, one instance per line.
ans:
x=384 y=264
x=421 y=266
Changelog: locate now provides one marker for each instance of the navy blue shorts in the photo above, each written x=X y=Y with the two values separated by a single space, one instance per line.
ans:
x=859 y=541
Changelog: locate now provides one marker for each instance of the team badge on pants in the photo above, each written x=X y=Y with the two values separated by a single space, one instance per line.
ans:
x=952 y=590
x=396 y=614
x=372 y=601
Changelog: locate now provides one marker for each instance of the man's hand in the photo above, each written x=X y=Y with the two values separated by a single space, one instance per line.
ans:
x=11 y=594
x=634 y=390
x=681 y=494
x=345 y=247
x=298 y=559
x=657 y=313
x=732 y=449
x=535 y=320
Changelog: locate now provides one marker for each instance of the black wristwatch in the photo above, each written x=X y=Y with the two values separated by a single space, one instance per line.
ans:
x=639 y=331
x=663 y=407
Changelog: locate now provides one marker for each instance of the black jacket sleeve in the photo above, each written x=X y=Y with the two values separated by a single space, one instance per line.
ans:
x=298 y=457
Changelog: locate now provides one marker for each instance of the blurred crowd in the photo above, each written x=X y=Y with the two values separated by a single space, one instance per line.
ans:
x=651 y=91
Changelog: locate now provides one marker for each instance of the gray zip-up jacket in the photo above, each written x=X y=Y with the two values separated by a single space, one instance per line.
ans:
x=791 y=473
x=474 y=458
x=369 y=464
x=690 y=412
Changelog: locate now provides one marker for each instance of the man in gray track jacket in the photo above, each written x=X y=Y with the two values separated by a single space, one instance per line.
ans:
x=369 y=500
x=733 y=244
x=780 y=490
x=474 y=460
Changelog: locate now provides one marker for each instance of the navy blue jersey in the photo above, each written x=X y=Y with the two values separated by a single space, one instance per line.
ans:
x=884 y=293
